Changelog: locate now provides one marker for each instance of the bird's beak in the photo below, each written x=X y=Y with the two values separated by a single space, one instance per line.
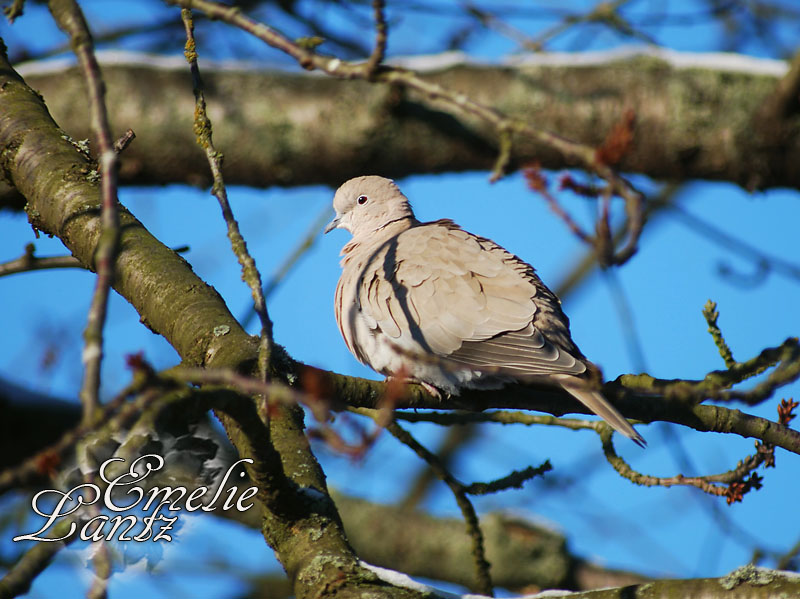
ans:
x=333 y=224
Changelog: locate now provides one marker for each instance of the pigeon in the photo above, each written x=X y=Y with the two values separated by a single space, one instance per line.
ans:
x=434 y=304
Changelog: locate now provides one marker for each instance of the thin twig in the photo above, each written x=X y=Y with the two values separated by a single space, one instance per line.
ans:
x=491 y=21
x=725 y=484
x=711 y=315
x=506 y=144
x=202 y=127
x=381 y=37
x=603 y=240
x=311 y=237
x=124 y=141
x=603 y=12
x=484 y=582
x=70 y=19
x=786 y=560
x=600 y=13
x=28 y=262
x=740 y=246
x=785 y=359
x=652 y=207
x=456 y=438
x=625 y=314
x=635 y=212
x=112 y=35
x=538 y=183
x=500 y=416
x=515 y=480
x=292 y=260
x=14 y=11
x=277 y=392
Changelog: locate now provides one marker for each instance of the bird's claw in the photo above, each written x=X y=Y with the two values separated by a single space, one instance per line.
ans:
x=427 y=386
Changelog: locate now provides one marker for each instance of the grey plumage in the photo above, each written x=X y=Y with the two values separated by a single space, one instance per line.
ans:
x=441 y=306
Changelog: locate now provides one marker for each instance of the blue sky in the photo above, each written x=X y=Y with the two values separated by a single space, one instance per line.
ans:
x=674 y=532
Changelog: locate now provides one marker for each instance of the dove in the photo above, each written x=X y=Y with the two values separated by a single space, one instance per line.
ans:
x=434 y=304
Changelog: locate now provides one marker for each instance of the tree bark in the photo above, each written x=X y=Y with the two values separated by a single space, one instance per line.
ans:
x=705 y=121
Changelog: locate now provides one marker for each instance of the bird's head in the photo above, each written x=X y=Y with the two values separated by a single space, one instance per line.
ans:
x=367 y=204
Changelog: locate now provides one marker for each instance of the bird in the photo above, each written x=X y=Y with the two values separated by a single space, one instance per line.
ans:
x=434 y=304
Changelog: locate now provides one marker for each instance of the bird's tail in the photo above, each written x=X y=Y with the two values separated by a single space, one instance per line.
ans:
x=600 y=406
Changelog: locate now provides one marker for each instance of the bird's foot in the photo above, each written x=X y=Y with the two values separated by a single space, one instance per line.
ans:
x=431 y=389
x=406 y=380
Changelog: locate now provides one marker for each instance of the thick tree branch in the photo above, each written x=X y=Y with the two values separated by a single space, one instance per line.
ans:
x=692 y=122
x=523 y=555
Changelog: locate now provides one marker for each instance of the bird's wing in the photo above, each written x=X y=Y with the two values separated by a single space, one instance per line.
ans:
x=438 y=289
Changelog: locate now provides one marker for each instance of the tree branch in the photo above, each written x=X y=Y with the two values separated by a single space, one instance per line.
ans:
x=70 y=19
x=483 y=582
x=202 y=128
x=637 y=396
x=29 y=261
x=685 y=118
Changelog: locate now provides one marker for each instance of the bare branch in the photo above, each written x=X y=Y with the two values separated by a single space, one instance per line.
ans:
x=381 y=37
x=637 y=396
x=711 y=315
x=776 y=264
x=124 y=141
x=537 y=182
x=292 y=260
x=70 y=19
x=28 y=262
x=731 y=484
x=14 y=10
x=484 y=581
x=202 y=127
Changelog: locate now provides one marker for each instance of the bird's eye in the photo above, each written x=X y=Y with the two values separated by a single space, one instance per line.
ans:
x=362 y=200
